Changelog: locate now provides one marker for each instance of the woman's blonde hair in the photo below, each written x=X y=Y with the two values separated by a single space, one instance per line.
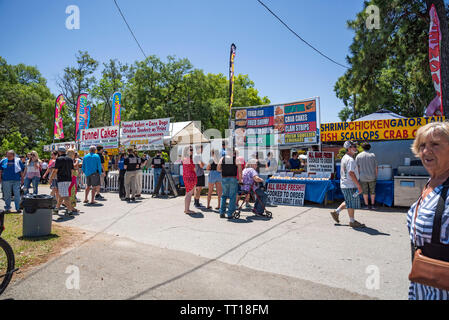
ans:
x=432 y=129
x=71 y=153
x=34 y=153
x=186 y=152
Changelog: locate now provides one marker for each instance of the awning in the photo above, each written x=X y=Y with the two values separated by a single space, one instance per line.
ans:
x=185 y=133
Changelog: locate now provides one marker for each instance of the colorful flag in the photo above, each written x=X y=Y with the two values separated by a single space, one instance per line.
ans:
x=434 y=56
x=116 y=108
x=81 y=115
x=88 y=117
x=231 y=76
x=58 y=132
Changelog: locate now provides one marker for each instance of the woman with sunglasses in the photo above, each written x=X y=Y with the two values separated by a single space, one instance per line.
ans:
x=189 y=177
x=32 y=173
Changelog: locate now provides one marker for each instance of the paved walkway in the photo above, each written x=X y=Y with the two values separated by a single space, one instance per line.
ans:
x=152 y=250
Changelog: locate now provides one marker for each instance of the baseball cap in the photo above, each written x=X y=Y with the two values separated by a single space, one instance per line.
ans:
x=62 y=149
x=348 y=144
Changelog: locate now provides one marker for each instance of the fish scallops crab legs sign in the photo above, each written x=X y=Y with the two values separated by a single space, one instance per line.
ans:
x=375 y=130
x=106 y=136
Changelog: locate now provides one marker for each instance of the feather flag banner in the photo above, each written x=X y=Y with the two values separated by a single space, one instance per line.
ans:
x=116 y=108
x=81 y=115
x=58 y=132
x=435 y=61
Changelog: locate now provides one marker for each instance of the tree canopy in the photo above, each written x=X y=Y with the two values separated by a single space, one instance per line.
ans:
x=150 y=89
x=389 y=66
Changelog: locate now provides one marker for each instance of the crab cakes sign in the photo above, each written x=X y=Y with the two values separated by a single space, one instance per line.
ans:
x=284 y=124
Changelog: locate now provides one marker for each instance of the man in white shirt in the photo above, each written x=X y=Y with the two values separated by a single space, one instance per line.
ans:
x=350 y=186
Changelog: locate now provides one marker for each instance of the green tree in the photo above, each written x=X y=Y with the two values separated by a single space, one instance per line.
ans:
x=14 y=141
x=153 y=86
x=113 y=80
x=26 y=104
x=73 y=82
x=389 y=65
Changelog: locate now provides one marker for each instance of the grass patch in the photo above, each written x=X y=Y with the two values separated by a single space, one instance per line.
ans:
x=29 y=252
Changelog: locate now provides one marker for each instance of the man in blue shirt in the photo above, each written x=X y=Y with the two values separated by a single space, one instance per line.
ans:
x=11 y=177
x=294 y=162
x=92 y=170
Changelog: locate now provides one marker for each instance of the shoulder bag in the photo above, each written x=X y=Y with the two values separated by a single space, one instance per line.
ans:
x=431 y=261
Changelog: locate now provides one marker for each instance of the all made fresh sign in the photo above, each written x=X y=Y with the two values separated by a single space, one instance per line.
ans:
x=108 y=137
x=286 y=194
x=320 y=162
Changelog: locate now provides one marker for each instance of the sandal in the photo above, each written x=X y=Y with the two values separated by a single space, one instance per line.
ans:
x=86 y=201
x=189 y=212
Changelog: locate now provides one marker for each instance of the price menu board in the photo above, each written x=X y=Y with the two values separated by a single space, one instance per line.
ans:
x=287 y=124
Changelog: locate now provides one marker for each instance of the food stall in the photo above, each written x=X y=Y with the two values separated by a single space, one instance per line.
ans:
x=283 y=129
x=181 y=135
x=390 y=136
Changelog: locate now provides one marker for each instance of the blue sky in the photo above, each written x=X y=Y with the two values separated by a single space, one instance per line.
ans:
x=282 y=67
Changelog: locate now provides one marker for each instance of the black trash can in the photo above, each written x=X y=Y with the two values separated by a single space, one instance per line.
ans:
x=37 y=214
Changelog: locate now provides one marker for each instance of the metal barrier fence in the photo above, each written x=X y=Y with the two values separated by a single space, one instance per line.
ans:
x=113 y=182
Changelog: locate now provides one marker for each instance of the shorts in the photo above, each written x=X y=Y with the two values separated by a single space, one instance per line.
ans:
x=93 y=180
x=63 y=188
x=214 y=177
x=371 y=185
x=351 y=202
x=54 y=184
x=201 y=181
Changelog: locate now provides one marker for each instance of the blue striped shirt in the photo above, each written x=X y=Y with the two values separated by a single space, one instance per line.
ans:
x=424 y=226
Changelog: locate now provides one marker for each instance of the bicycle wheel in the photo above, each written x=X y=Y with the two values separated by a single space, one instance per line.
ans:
x=6 y=264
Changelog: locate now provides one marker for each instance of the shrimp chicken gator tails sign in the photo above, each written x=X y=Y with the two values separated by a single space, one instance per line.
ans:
x=373 y=130
x=106 y=136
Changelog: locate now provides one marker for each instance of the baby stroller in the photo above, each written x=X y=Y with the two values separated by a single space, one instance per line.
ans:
x=261 y=198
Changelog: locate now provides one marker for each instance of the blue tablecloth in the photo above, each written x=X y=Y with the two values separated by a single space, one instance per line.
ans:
x=384 y=192
x=315 y=189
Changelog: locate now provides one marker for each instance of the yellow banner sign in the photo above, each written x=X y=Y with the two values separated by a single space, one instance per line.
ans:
x=373 y=130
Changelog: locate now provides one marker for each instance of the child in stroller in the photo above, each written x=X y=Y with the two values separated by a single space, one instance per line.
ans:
x=253 y=184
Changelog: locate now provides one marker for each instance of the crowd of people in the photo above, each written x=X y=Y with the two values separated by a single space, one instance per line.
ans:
x=231 y=176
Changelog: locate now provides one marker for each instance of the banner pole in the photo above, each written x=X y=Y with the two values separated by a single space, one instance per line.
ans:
x=231 y=86
x=319 y=123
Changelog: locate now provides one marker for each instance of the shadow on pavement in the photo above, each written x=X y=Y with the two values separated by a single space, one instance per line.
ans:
x=202 y=265
x=368 y=230
x=258 y=218
x=64 y=218
x=93 y=204
x=50 y=236
x=196 y=215
x=240 y=220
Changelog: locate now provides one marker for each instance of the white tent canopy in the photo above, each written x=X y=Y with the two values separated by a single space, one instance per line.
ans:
x=380 y=115
x=187 y=132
